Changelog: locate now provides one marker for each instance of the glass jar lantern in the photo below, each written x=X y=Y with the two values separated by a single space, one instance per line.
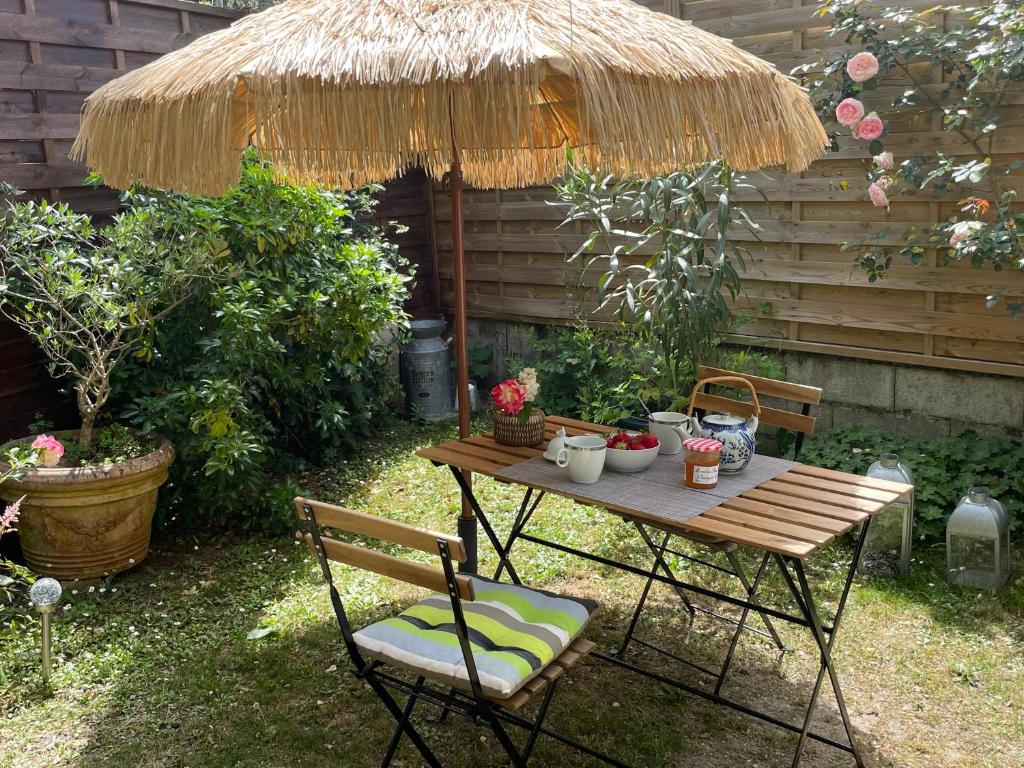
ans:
x=978 y=542
x=890 y=536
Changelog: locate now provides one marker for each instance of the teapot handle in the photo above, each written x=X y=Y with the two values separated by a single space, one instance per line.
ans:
x=731 y=380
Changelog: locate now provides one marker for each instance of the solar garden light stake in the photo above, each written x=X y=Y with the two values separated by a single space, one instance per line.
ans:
x=45 y=594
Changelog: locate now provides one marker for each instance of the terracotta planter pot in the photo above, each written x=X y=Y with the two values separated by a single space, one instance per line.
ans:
x=88 y=522
x=508 y=430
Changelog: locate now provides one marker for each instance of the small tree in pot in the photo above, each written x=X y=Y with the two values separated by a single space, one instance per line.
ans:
x=88 y=297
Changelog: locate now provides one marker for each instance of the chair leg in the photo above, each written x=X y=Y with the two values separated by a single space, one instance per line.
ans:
x=396 y=737
x=539 y=722
x=506 y=741
x=742 y=576
x=444 y=710
x=402 y=717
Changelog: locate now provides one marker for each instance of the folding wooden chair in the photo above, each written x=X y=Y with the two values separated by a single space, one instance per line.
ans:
x=492 y=647
x=802 y=423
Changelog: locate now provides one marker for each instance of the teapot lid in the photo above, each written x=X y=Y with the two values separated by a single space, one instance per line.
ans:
x=725 y=419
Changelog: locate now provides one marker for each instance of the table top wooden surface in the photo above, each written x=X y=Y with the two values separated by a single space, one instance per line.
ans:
x=793 y=515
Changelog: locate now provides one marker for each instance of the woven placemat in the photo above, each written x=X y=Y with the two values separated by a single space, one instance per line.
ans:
x=657 y=492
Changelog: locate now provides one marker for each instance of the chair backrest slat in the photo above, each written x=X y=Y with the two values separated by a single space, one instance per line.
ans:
x=771 y=416
x=381 y=528
x=800 y=423
x=784 y=390
x=387 y=565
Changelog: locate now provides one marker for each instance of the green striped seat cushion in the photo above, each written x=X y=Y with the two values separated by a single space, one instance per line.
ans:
x=514 y=632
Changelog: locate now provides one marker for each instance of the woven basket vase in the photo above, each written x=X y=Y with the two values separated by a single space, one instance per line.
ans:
x=509 y=430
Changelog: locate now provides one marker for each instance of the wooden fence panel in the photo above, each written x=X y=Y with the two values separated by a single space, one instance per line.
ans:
x=802 y=292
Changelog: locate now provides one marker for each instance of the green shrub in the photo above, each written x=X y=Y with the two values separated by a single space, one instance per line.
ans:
x=282 y=362
x=944 y=468
x=604 y=374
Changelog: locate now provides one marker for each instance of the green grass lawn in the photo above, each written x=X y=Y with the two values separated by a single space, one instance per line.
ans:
x=157 y=668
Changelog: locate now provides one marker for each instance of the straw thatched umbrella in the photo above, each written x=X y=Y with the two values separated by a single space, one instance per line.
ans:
x=346 y=92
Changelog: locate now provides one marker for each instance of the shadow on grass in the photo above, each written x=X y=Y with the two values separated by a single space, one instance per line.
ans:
x=287 y=699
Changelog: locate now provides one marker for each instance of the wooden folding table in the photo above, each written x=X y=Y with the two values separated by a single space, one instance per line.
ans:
x=787 y=519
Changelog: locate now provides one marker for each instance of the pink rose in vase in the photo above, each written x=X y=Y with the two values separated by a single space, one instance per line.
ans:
x=50 y=450
x=870 y=128
x=509 y=396
x=862 y=67
x=849 y=111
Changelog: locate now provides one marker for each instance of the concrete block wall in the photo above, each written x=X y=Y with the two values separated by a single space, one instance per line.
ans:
x=900 y=399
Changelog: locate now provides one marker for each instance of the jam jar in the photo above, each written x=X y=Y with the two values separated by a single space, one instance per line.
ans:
x=701 y=457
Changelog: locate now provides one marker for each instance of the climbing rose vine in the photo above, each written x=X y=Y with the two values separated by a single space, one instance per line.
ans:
x=979 y=52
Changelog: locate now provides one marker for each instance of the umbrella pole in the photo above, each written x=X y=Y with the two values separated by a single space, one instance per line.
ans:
x=467 y=521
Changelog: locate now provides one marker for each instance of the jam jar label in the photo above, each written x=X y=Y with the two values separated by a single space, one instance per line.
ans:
x=705 y=475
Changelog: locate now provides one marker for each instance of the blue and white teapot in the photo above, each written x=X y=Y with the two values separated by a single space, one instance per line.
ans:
x=735 y=433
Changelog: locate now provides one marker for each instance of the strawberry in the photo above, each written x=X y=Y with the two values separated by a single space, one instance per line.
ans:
x=620 y=442
x=648 y=441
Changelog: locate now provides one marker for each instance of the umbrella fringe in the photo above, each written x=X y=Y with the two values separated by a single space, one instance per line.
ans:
x=637 y=103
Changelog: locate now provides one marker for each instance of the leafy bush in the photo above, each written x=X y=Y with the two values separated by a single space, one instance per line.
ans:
x=944 y=468
x=605 y=374
x=283 y=361
x=88 y=295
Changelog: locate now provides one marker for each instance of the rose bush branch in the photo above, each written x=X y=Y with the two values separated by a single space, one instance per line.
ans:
x=979 y=52
x=88 y=296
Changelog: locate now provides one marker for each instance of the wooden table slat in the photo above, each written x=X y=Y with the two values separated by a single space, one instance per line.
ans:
x=460 y=460
x=860 y=491
x=522 y=453
x=806 y=519
x=813 y=494
x=782 y=545
x=851 y=516
x=769 y=525
x=496 y=453
x=851 y=479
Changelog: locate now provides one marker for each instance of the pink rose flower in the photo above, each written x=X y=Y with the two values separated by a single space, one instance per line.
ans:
x=885 y=161
x=964 y=231
x=509 y=396
x=849 y=111
x=870 y=128
x=862 y=67
x=878 y=197
x=50 y=450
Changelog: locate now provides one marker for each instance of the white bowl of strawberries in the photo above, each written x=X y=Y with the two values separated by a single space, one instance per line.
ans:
x=630 y=451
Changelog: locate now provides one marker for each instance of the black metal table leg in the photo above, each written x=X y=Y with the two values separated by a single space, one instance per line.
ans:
x=805 y=599
x=737 y=567
x=751 y=588
x=522 y=518
x=467 y=493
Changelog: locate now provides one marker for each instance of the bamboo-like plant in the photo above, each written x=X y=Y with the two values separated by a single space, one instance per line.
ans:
x=87 y=296
x=663 y=246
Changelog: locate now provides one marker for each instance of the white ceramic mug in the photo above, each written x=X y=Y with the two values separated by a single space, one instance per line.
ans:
x=584 y=456
x=671 y=428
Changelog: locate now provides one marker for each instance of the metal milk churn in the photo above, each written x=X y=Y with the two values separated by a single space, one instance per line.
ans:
x=427 y=371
